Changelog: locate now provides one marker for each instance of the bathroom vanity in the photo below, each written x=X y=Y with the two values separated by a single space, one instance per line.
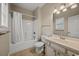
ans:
x=56 y=46
x=65 y=38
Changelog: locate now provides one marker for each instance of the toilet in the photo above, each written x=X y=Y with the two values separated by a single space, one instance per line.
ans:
x=39 y=47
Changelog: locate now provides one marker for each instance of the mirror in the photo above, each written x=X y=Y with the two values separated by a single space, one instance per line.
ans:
x=73 y=23
x=59 y=24
x=66 y=23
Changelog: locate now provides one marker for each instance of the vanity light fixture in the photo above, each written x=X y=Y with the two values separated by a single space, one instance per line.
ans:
x=73 y=6
x=65 y=9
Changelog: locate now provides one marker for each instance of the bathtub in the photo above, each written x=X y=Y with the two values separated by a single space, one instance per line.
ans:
x=21 y=46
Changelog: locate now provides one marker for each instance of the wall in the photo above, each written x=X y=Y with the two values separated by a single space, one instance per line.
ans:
x=47 y=18
x=4 y=44
x=37 y=22
x=25 y=11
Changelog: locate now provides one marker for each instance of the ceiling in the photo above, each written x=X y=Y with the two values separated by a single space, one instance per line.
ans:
x=29 y=6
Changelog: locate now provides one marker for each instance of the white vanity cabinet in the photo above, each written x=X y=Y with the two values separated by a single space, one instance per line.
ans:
x=55 y=49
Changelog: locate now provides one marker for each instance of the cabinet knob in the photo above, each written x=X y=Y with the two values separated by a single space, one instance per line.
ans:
x=73 y=54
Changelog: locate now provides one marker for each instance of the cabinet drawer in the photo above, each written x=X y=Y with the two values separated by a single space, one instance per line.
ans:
x=59 y=53
x=70 y=53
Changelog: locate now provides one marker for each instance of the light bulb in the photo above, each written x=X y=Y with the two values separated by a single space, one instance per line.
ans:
x=73 y=6
x=65 y=9
x=58 y=12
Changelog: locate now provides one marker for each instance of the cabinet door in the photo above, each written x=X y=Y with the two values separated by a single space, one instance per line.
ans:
x=49 y=51
x=60 y=51
x=70 y=53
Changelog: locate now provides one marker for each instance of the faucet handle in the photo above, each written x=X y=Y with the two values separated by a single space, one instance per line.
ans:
x=68 y=32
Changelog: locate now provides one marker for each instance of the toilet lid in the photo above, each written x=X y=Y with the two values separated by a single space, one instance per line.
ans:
x=39 y=44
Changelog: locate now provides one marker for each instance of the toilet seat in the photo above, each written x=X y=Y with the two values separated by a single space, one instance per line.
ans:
x=39 y=44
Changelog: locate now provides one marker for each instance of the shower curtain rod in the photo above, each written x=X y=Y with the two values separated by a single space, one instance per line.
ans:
x=24 y=14
x=29 y=15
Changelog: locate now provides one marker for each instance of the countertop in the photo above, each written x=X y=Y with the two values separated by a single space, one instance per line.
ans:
x=68 y=43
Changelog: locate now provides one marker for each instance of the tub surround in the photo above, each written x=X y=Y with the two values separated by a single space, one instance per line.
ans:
x=69 y=44
x=21 y=46
x=26 y=52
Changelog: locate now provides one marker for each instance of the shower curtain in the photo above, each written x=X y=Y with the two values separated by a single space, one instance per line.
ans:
x=17 y=28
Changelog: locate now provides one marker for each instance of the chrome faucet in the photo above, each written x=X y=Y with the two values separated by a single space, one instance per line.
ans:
x=62 y=37
x=67 y=33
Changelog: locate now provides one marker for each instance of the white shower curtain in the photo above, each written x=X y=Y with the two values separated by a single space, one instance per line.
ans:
x=17 y=28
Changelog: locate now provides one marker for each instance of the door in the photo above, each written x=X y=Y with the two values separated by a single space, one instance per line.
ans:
x=49 y=51
x=28 y=29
